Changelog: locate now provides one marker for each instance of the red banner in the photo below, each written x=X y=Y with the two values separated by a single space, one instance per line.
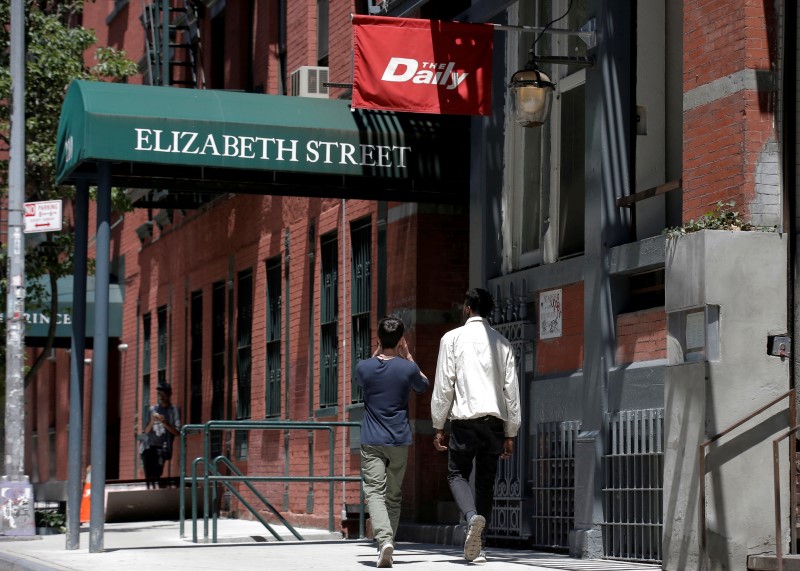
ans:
x=422 y=66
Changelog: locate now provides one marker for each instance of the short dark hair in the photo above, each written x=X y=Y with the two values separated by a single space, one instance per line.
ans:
x=390 y=331
x=480 y=301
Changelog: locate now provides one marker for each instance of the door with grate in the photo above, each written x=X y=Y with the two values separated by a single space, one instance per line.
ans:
x=634 y=481
x=509 y=519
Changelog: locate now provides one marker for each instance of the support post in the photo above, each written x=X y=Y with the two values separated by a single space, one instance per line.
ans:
x=75 y=436
x=100 y=354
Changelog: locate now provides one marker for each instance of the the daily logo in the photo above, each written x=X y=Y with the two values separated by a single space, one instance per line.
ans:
x=401 y=70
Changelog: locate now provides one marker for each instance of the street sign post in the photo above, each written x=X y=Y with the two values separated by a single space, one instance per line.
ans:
x=42 y=216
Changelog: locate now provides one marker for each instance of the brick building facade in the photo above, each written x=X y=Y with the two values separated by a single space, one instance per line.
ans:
x=681 y=108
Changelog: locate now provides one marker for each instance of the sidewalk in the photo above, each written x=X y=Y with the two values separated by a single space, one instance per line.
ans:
x=246 y=545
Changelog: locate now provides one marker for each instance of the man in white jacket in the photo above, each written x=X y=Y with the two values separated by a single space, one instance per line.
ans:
x=476 y=387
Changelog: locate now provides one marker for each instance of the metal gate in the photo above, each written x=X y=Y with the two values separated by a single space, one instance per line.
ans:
x=509 y=519
x=554 y=483
x=634 y=482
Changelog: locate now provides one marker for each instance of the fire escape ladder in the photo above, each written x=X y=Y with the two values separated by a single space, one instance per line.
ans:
x=172 y=43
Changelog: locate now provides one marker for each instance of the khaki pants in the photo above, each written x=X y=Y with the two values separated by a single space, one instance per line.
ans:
x=383 y=468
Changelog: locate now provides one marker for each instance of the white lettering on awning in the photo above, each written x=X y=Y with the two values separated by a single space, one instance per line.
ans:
x=271 y=149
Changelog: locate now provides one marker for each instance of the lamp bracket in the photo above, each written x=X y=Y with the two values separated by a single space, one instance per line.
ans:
x=587 y=32
x=566 y=60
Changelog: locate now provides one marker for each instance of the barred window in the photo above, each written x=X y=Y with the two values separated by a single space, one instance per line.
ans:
x=329 y=310
x=244 y=353
x=361 y=242
x=162 y=344
x=146 y=355
x=273 y=396
x=196 y=396
x=217 y=362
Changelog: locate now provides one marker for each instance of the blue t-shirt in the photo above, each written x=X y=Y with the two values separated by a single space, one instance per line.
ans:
x=386 y=385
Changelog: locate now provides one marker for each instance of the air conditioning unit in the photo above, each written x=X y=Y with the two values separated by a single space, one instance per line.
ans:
x=309 y=80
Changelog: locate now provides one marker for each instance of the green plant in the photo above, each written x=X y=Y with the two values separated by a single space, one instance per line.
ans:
x=723 y=217
x=51 y=518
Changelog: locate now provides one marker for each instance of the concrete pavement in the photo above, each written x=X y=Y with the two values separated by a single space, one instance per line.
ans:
x=246 y=545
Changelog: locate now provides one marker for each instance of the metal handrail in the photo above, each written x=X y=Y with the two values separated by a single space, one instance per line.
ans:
x=256 y=493
x=258 y=425
x=702 y=450
x=792 y=493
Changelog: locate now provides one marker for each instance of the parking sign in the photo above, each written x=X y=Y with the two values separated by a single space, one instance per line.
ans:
x=42 y=216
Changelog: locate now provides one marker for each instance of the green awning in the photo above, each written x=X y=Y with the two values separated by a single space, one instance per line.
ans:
x=38 y=318
x=219 y=141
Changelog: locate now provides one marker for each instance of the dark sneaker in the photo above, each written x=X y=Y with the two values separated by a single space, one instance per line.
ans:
x=385 y=555
x=472 y=545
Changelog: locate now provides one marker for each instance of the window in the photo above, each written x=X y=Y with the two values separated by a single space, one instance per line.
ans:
x=544 y=182
x=361 y=241
x=329 y=339
x=244 y=355
x=244 y=326
x=196 y=396
x=162 y=344
x=323 y=9
x=146 y=355
x=273 y=396
x=217 y=362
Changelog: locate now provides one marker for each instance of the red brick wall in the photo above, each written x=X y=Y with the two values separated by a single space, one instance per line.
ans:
x=641 y=336
x=427 y=257
x=724 y=139
x=564 y=353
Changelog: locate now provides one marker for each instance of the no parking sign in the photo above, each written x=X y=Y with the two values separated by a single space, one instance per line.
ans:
x=42 y=216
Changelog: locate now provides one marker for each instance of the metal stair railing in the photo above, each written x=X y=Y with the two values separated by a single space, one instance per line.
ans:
x=793 y=428
x=234 y=491
x=212 y=476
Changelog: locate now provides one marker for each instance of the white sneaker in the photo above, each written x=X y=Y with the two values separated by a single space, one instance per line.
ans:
x=481 y=558
x=472 y=545
x=385 y=555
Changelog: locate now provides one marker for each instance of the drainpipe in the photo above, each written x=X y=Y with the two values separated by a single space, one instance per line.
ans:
x=344 y=352
x=789 y=154
x=287 y=362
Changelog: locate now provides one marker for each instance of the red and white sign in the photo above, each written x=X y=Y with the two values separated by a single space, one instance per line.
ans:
x=422 y=66
x=42 y=216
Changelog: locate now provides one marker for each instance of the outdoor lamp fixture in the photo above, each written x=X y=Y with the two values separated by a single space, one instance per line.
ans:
x=532 y=91
x=531 y=94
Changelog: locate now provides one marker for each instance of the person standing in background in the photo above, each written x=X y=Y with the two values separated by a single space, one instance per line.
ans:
x=476 y=387
x=163 y=426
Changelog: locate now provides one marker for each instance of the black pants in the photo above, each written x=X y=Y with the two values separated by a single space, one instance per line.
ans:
x=479 y=440
x=153 y=465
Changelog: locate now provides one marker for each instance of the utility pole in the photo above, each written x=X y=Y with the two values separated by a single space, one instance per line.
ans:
x=16 y=494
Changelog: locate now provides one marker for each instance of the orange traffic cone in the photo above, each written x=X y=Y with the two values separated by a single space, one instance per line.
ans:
x=86 y=500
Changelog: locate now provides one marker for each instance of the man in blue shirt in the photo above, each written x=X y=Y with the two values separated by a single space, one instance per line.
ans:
x=386 y=380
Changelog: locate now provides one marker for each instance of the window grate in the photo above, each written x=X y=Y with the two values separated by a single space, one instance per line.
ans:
x=217 y=362
x=634 y=476
x=361 y=240
x=244 y=329
x=273 y=405
x=329 y=311
x=146 y=356
x=162 y=344
x=554 y=483
x=196 y=402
